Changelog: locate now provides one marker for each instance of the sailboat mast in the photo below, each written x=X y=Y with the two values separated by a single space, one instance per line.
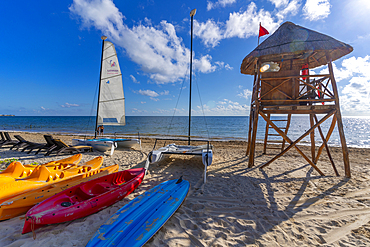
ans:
x=101 y=67
x=192 y=13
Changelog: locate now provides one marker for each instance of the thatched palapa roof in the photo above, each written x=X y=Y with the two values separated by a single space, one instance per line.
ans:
x=292 y=45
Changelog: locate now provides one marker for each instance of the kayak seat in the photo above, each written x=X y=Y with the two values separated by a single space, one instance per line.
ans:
x=94 y=189
x=16 y=169
x=122 y=178
x=99 y=189
x=81 y=195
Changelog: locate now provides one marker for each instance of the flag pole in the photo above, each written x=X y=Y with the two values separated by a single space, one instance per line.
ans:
x=259 y=35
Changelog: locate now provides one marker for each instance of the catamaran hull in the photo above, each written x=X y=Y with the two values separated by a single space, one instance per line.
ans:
x=127 y=143
x=122 y=143
x=98 y=145
x=201 y=151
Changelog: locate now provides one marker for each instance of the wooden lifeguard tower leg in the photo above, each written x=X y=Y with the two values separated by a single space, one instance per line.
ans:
x=339 y=120
x=251 y=111
x=293 y=144
x=249 y=131
x=253 y=139
x=327 y=149
x=266 y=135
x=286 y=131
x=330 y=131
x=312 y=135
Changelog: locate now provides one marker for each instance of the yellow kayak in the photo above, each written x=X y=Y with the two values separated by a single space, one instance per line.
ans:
x=42 y=176
x=22 y=203
x=17 y=170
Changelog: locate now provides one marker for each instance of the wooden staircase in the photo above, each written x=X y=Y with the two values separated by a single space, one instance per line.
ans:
x=274 y=141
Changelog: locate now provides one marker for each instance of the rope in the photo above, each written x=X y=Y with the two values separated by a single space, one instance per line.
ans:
x=201 y=103
x=32 y=226
x=178 y=98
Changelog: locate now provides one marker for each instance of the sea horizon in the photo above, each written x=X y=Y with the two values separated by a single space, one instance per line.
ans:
x=222 y=128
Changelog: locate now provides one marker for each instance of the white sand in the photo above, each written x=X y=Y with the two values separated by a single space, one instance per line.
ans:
x=286 y=204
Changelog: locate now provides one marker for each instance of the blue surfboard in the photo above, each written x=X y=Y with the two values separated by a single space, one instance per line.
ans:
x=136 y=222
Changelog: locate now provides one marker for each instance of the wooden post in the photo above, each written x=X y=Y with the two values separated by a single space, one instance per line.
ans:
x=253 y=140
x=293 y=144
x=327 y=148
x=286 y=131
x=338 y=115
x=266 y=135
x=250 y=130
x=312 y=135
x=330 y=131
x=255 y=120
x=251 y=113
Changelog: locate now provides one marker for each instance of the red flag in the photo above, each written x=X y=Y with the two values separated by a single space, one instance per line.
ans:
x=263 y=31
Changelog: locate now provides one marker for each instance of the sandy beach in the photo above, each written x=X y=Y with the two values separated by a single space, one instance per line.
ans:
x=285 y=204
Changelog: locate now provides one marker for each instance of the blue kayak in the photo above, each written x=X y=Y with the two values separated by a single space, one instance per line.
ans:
x=136 y=222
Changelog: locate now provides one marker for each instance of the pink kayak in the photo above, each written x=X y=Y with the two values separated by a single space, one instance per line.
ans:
x=84 y=199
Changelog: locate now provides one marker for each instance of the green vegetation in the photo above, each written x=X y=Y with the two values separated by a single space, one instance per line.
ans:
x=8 y=161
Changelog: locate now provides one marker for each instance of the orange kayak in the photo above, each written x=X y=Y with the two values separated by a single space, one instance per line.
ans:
x=22 y=203
x=42 y=176
x=17 y=170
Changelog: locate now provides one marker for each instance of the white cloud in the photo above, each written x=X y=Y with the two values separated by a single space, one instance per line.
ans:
x=148 y=92
x=242 y=24
x=315 y=10
x=288 y=8
x=354 y=97
x=158 y=50
x=224 y=108
x=246 y=94
x=134 y=79
x=204 y=65
x=223 y=65
x=219 y=3
x=210 y=32
x=68 y=105
x=151 y=94
x=279 y=3
x=246 y=24
x=165 y=92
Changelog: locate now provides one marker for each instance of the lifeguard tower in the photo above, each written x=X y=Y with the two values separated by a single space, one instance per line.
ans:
x=282 y=85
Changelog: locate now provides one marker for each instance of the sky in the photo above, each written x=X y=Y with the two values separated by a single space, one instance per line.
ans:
x=51 y=53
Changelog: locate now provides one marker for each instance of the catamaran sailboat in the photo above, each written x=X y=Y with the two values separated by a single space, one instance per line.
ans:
x=111 y=102
x=204 y=151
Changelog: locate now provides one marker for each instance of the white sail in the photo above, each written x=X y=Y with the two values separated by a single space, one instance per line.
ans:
x=111 y=100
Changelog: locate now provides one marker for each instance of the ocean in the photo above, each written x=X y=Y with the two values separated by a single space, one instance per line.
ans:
x=357 y=129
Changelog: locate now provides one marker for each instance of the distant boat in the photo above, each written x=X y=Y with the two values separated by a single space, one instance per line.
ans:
x=111 y=102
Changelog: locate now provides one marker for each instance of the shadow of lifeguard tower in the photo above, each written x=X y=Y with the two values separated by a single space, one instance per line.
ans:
x=282 y=85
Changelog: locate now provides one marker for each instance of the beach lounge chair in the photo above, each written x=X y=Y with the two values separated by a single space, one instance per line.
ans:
x=62 y=147
x=48 y=146
x=2 y=138
x=26 y=144
x=21 y=142
x=8 y=141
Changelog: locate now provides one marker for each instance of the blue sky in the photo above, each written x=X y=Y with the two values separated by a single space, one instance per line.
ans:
x=51 y=53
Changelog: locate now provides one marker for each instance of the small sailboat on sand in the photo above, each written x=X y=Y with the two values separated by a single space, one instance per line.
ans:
x=111 y=102
x=204 y=151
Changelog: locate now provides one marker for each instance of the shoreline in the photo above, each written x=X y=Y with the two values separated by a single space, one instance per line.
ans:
x=284 y=204
x=161 y=136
